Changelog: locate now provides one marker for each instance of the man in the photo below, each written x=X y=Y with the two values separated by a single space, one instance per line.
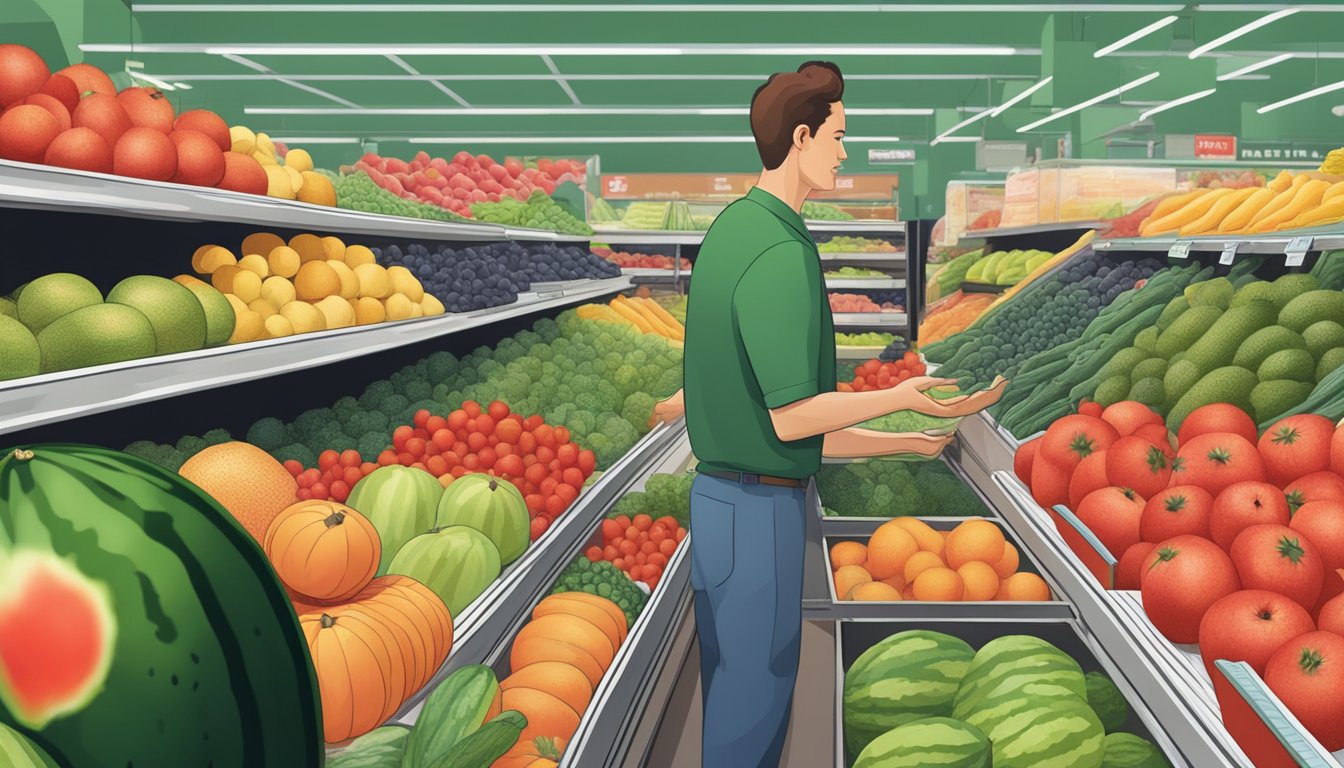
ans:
x=761 y=410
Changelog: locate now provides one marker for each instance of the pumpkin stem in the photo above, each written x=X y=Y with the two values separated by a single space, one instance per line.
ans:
x=493 y=484
x=546 y=748
x=328 y=621
x=335 y=519
x=22 y=455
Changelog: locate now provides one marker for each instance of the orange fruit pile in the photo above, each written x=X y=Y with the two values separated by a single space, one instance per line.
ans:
x=907 y=560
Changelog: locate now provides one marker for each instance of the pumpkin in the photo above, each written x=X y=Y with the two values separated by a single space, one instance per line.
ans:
x=323 y=550
x=546 y=715
x=597 y=601
x=564 y=681
x=541 y=752
x=411 y=644
x=530 y=650
x=574 y=631
x=559 y=604
x=415 y=605
x=353 y=665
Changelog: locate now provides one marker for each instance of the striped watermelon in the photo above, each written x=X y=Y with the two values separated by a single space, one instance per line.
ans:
x=400 y=502
x=934 y=742
x=1056 y=733
x=492 y=506
x=1125 y=750
x=908 y=676
x=457 y=562
x=1004 y=665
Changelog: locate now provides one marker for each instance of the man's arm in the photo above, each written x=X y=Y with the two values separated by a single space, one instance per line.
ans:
x=854 y=443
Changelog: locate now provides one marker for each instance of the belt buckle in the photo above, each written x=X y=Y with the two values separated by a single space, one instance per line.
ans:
x=750 y=479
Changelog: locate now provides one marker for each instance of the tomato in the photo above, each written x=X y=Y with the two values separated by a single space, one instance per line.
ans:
x=1318 y=486
x=1181 y=579
x=1112 y=514
x=561 y=435
x=461 y=448
x=319 y=490
x=470 y=463
x=658 y=560
x=435 y=423
x=1215 y=460
x=476 y=441
x=1249 y=625
x=567 y=493
x=421 y=417
x=457 y=420
x=1279 y=559
x=532 y=422
x=538 y=526
x=485 y=424
x=555 y=506
x=436 y=466
x=508 y=431
x=587 y=462
x=1128 y=415
x=1243 y=505
x=669 y=546
x=406 y=459
x=547 y=486
x=535 y=502
x=350 y=458
x=1130 y=567
x=573 y=476
x=487 y=457
x=1181 y=510
x=458 y=471
x=1088 y=407
x=535 y=474
x=1323 y=523
x=1156 y=434
x=1337 y=451
x=681 y=534
x=1330 y=616
x=1049 y=482
x=504 y=449
x=511 y=466
x=442 y=439
x=594 y=554
x=642 y=522
x=387 y=458
x=1023 y=458
x=526 y=442
x=1088 y=476
x=668 y=522
x=1296 y=446
x=1307 y=674
x=1134 y=462
x=1073 y=438
x=619 y=563
x=472 y=408
x=544 y=454
x=497 y=410
x=627 y=547
x=1217 y=417
x=328 y=459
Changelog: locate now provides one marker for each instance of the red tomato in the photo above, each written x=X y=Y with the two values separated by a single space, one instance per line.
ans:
x=319 y=490
x=536 y=503
x=535 y=474
x=503 y=449
x=350 y=458
x=1129 y=571
x=627 y=547
x=636 y=572
x=293 y=467
x=472 y=408
x=1296 y=446
x=1215 y=460
x=497 y=410
x=619 y=563
x=367 y=467
x=1049 y=482
x=400 y=435
x=538 y=526
x=1279 y=559
x=470 y=463
x=611 y=530
x=547 y=486
x=658 y=560
x=487 y=456
x=442 y=439
x=1318 y=486
x=567 y=493
x=328 y=459
x=1214 y=418
x=561 y=435
x=1323 y=523
x=1128 y=415
x=1181 y=510
x=669 y=546
x=461 y=448
x=681 y=534
x=421 y=417
x=1112 y=514
x=1088 y=476
x=527 y=442
x=1133 y=462
x=1073 y=438
x=303 y=494
x=476 y=441
x=508 y=431
x=1243 y=505
x=1156 y=434
x=568 y=454
x=1023 y=458
x=587 y=462
x=1249 y=625
x=532 y=422
x=435 y=423
x=544 y=454
x=572 y=476
x=512 y=466
x=1337 y=451
x=1087 y=407
x=457 y=420
x=669 y=522
x=610 y=552
x=1307 y=674
x=594 y=554
x=459 y=470
x=387 y=458
x=1330 y=617
x=555 y=506
x=642 y=522
x=1181 y=579
x=416 y=447
x=869 y=366
x=485 y=424
x=405 y=459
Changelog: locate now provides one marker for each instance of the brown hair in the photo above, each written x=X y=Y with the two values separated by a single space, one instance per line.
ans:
x=788 y=100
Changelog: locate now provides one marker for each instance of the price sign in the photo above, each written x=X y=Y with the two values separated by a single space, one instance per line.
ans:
x=1179 y=250
x=1229 y=252
x=1297 y=250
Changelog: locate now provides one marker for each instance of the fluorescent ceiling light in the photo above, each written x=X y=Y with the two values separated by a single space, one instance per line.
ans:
x=544 y=111
x=1177 y=102
x=1005 y=105
x=154 y=81
x=1242 y=30
x=652 y=49
x=615 y=139
x=182 y=86
x=644 y=8
x=1253 y=67
x=1094 y=100
x=946 y=135
x=1302 y=97
x=1338 y=111
x=957 y=140
x=1142 y=33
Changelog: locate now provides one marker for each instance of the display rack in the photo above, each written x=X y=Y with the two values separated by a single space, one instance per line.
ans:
x=1034 y=229
x=1304 y=240
x=857 y=225
x=618 y=236
x=892 y=257
x=865 y=283
x=878 y=320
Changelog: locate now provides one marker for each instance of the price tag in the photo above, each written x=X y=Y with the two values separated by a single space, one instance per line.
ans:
x=1229 y=252
x=1297 y=250
x=1179 y=250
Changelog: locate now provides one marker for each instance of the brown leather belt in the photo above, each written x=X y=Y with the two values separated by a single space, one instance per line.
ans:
x=747 y=478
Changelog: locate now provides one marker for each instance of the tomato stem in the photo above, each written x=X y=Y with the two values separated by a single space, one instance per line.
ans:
x=1310 y=661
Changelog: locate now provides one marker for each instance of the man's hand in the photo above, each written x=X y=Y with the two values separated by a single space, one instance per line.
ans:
x=921 y=444
x=668 y=410
x=961 y=405
x=856 y=443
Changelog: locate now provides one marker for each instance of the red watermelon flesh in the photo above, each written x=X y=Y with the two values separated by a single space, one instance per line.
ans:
x=56 y=633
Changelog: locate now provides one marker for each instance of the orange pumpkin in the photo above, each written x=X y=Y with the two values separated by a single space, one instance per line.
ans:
x=429 y=603
x=530 y=650
x=574 y=631
x=540 y=752
x=546 y=715
x=323 y=550
x=559 y=604
x=354 y=673
x=415 y=605
x=413 y=640
x=563 y=681
x=597 y=601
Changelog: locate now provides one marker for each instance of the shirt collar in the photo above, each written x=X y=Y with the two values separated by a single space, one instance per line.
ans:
x=780 y=209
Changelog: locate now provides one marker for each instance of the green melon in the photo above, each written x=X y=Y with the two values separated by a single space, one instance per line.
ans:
x=208 y=665
x=17 y=751
x=1060 y=732
x=492 y=506
x=934 y=742
x=400 y=502
x=1125 y=750
x=1107 y=701
x=1007 y=663
x=908 y=676
x=457 y=562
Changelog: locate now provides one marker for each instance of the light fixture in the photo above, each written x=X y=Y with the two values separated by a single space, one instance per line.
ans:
x=1094 y=100
x=738 y=139
x=957 y=140
x=1338 y=111
x=1302 y=97
x=315 y=140
x=1242 y=30
x=1165 y=21
x=1253 y=67
x=544 y=111
x=947 y=135
x=1177 y=102
x=154 y=81
x=646 y=8
x=490 y=49
x=1005 y=105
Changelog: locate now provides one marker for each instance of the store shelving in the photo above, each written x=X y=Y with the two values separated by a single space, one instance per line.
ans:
x=1317 y=239
x=646 y=237
x=857 y=225
x=53 y=397
x=887 y=320
x=649 y=275
x=888 y=257
x=865 y=283
x=1034 y=229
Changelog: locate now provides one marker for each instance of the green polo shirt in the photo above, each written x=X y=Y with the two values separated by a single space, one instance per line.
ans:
x=759 y=335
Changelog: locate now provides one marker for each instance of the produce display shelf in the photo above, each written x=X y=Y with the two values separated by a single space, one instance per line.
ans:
x=26 y=187
x=983 y=288
x=645 y=274
x=1322 y=239
x=482 y=632
x=610 y=235
x=880 y=257
x=991 y=446
x=865 y=283
x=857 y=353
x=526 y=234
x=858 y=225
x=53 y=397
x=1033 y=229
x=871 y=319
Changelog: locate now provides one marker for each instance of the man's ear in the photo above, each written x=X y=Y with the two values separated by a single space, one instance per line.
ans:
x=800 y=132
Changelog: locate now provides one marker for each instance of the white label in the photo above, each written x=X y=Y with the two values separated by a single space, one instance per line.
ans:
x=1229 y=253
x=1297 y=250
x=1179 y=250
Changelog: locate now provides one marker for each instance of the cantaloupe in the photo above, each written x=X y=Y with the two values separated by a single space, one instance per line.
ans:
x=546 y=715
x=563 y=681
x=531 y=649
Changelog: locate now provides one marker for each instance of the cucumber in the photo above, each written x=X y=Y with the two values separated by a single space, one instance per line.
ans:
x=455 y=709
x=487 y=744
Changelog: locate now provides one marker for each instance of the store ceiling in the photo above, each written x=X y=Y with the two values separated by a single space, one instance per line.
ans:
x=556 y=70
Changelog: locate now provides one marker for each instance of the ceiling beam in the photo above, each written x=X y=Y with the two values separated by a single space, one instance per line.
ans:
x=250 y=64
x=449 y=92
x=560 y=81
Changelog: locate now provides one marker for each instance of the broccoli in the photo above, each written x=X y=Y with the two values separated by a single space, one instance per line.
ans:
x=417 y=389
x=217 y=437
x=163 y=455
x=369 y=421
x=394 y=407
x=300 y=453
x=345 y=408
x=604 y=580
x=191 y=445
x=622 y=437
x=268 y=434
x=637 y=409
x=581 y=422
x=440 y=366
x=375 y=394
x=310 y=424
x=667 y=383
x=373 y=443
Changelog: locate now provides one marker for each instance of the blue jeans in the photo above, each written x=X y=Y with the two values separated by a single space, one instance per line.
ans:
x=747 y=572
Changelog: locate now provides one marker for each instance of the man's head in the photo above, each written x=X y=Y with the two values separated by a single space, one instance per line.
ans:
x=798 y=116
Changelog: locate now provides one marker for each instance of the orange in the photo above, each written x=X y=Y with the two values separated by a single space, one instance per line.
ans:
x=874 y=591
x=848 y=577
x=896 y=582
x=888 y=549
x=977 y=539
x=246 y=481
x=848 y=553
x=927 y=538
x=1025 y=586
x=982 y=583
x=1007 y=565
x=921 y=562
x=940 y=585
x=908 y=592
x=260 y=243
x=309 y=247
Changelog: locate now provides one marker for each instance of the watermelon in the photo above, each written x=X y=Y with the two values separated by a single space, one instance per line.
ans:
x=1060 y=732
x=934 y=742
x=16 y=751
x=457 y=562
x=400 y=502
x=493 y=507
x=1107 y=701
x=1125 y=750
x=1005 y=664
x=207 y=665
x=908 y=676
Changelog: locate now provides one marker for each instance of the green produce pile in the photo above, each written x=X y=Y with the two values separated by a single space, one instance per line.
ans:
x=600 y=380
x=927 y=698
x=824 y=212
x=871 y=339
x=357 y=192
x=909 y=421
x=663 y=496
x=855 y=272
x=702 y=222
x=645 y=215
x=953 y=273
x=884 y=488
x=1006 y=267
x=604 y=580
x=600 y=211
x=675 y=306
x=539 y=212
x=848 y=244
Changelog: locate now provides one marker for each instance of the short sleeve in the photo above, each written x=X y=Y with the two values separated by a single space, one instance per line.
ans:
x=777 y=306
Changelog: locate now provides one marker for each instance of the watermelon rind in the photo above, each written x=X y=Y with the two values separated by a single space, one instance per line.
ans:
x=1006 y=663
x=1055 y=733
x=909 y=676
x=933 y=742
x=1125 y=750
x=1107 y=701
x=17 y=751
x=457 y=563
x=400 y=502
x=492 y=506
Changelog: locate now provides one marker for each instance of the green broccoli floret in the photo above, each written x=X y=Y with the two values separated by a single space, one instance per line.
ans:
x=372 y=443
x=217 y=437
x=638 y=409
x=163 y=455
x=418 y=389
x=621 y=437
x=191 y=445
x=268 y=434
x=606 y=581
x=393 y=407
x=580 y=422
x=440 y=367
x=375 y=394
x=310 y=424
x=369 y=421
x=344 y=408
x=667 y=383
x=300 y=453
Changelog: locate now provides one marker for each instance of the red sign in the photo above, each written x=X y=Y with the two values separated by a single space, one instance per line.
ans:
x=1215 y=146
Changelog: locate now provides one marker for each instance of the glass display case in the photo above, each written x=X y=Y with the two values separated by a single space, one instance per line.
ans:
x=969 y=206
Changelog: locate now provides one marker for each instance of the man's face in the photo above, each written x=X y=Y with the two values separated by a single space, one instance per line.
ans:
x=822 y=154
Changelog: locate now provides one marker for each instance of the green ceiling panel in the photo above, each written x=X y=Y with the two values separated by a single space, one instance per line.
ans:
x=511 y=93
x=328 y=65
x=478 y=65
